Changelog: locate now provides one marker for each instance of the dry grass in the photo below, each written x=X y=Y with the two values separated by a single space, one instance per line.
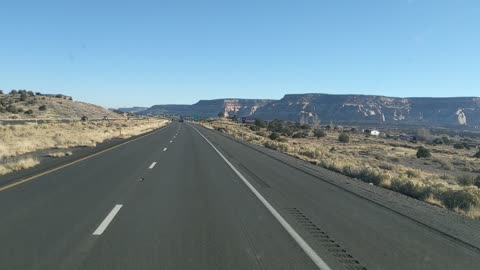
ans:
x=22 y=139
x=18 y=165
x=383 y=162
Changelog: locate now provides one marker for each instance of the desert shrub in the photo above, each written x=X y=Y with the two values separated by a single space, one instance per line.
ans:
x=12 y=109
x=459 y=199
x=282 y=139
x=423 y=152
x=461 y=146
x=254 y=128
x=29 y=112
x=288 y=131
x=23 y=97
x=310 y=153
x=365 y=174
x=386 y=166
x=465 y=180
x=444 y=164
x=343 y=138
x=1 y=92
x=300 y=134
x=437 y=141
x=395 y=159
x=276 y=146
x=260 y=123
x=305 y=126
x=13 y=92
x=42 y=108
x=2 y=109
x=319 y=133
x=20 y=110
x=30 y=93
x=477 y=155
x=262 y=133
x=412 y=173
x=411 y=189
x=477 y=181
x=274 y=136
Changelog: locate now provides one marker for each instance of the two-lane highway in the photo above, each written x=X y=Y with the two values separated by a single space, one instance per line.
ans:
x=187 y=198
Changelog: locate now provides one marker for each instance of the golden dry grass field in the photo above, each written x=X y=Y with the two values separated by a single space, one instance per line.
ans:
x=449 y=178
x=18 y=140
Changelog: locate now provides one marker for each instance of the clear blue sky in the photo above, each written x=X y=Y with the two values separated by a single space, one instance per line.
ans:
x=125 y=53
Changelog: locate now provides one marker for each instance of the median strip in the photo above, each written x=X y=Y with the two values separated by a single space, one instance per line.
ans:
x=107 y=220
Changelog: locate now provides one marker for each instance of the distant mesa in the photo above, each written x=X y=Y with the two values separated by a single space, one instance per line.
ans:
x=341 y=109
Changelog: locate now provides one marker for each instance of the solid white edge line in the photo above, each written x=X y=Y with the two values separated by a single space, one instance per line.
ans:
x=321 y=264
x=107 y=220
x=153 y=165
x=164 y=149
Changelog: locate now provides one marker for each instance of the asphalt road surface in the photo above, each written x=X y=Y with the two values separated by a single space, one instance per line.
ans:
x=188 y=198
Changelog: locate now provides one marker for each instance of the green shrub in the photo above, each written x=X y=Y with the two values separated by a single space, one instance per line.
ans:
x=343 y=138
x=13 y=92
x=300 y=134
x=411 y=189
x=29 y=112
x=465 y=180
x=274 y=136
x=461 y=146
x=260 y=123
x=459 y=199
x=319 y=133
x=42 y=108
x=254 y=128
x=12 y=109
x=423 y=152
x=305 y=126
x=282 y=140
x=477 y=155
x=20 y=110
x=477 y=181
x=23 y=97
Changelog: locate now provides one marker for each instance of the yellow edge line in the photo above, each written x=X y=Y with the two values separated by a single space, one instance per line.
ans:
x=73 y=162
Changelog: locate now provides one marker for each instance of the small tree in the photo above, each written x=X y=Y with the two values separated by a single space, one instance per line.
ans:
x=221 y=114
x=23 y=97
x=13 y=92
x=423 y=152
x=274 y=136
x=1 y=92
x=477 y=155
x=42 y=108
x=30 y=93
x=319 y=133
x=343 y=138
